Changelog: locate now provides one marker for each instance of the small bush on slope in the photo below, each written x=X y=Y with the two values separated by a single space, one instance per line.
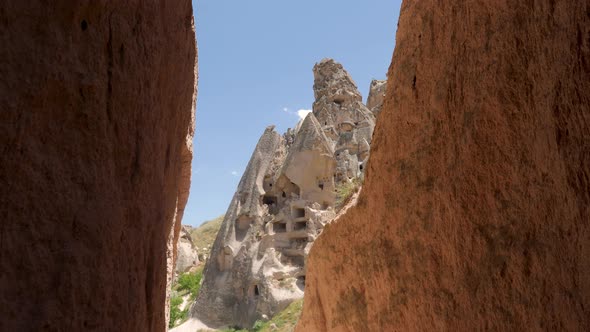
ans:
x=344 y=192
x=190 y=282
x=285 y=320
x=176 y=315
x=187 y=284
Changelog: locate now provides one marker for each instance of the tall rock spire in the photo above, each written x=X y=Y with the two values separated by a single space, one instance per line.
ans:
x=285 y=198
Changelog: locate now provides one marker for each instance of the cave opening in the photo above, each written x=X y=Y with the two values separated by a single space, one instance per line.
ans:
x=301 y=283
x=269 y=200
x=279 y=227
x=298 y=213
x=253 y=291
x=300 y=225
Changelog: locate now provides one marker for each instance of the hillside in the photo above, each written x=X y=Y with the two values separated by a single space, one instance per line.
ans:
x=204 y=235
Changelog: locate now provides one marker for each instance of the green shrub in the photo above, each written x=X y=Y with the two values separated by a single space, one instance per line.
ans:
x=284 y=321
x=258 y=326
x=187 y=284
x=175 y=313
x=344 y=192
x=190 y=282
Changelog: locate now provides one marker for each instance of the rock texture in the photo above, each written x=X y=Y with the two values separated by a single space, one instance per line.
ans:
x=284 y=199
x=95 y=136
x=476 y=206
x=187 y=254
x=376 y=96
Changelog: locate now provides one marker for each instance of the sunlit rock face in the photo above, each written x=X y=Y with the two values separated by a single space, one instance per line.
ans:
x=376 y=96
x=283 y=201
x=96 y=128
x=475 y=210
x=187 y=254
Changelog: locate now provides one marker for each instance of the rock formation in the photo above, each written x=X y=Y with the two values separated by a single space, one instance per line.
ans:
x=187 y=254
x=283 y=201
x=376 y=95
x=475 y=210
x=96 y=128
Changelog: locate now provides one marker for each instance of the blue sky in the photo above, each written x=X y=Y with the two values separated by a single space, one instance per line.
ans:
x=255 y=61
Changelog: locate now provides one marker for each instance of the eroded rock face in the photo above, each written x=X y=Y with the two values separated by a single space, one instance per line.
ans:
x=474 y=213
x=96 y=132
x=187 y=254
x=230 y=280
x=344 y=118
x=285 y=198
x=376 y=96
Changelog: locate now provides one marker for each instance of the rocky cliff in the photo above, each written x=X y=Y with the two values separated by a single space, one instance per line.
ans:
x=187 y=254
x=96 y=131
x=376 y=96
x=475 y=210
x=285 y=197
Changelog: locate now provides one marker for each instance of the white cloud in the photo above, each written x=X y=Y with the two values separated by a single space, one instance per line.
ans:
x=303 y=113
x=234 y=173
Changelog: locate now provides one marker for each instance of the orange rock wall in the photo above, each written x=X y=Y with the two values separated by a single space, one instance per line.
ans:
x=475 y=213
x=96 y=125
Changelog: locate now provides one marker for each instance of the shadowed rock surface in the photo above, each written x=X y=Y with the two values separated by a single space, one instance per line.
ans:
x=285 y=197
x=96 y=128
x=475 y=210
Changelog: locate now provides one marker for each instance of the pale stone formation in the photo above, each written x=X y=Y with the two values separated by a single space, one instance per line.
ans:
x=283 y=201
x=187 y=254
x=376 y=96
x=344 y=118
x=230 y=275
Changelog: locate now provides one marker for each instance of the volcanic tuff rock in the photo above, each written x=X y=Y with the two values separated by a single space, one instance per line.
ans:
x=187 y=254
x=283 y=201
x=476 y=206
x=96 y=128
x=376 y=95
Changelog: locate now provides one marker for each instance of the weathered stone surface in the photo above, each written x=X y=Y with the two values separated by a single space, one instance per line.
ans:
x=227 y=292
x=474 y=213
x=345 y=119
x=376 y=96
x=338 y=106
x=187 y=254
x=285 y=198
x=96 y=127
